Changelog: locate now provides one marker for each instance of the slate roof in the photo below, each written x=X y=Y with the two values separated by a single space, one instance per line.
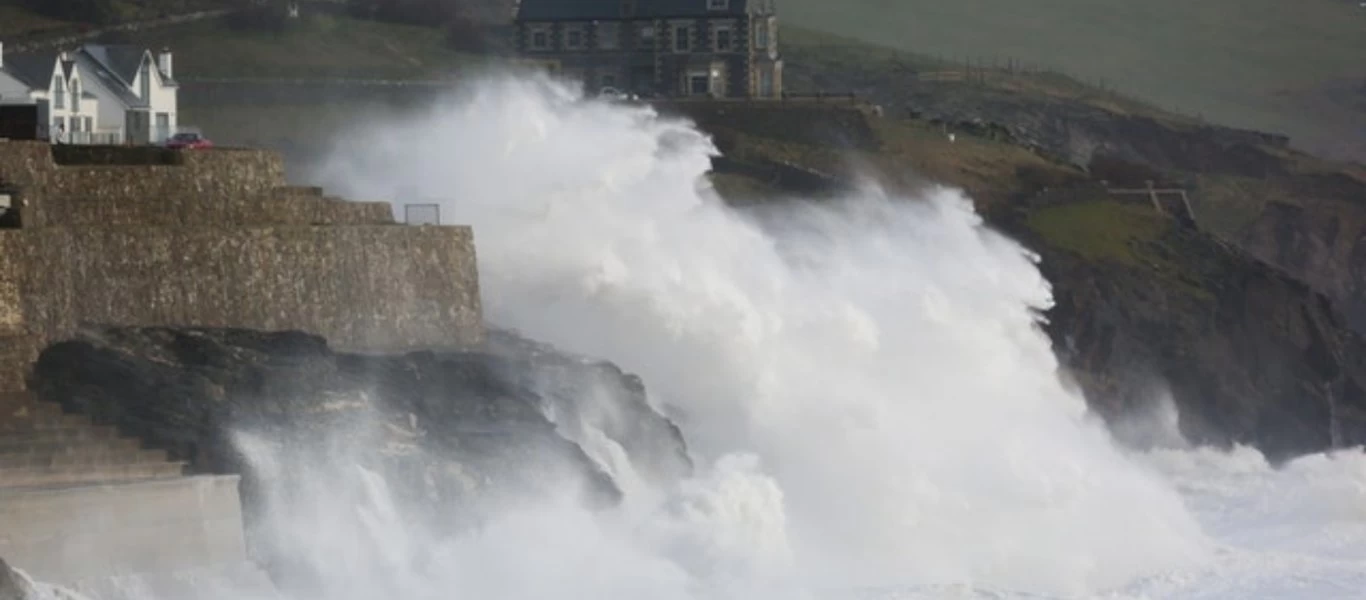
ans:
x=569 y=10
x=122 y=61
x=109 y=79
x=32 y=70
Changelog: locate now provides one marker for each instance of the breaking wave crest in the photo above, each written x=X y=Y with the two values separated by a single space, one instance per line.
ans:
x=863 y=381
x=871 y=406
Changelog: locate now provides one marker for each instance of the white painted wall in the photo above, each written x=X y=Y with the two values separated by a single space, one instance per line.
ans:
x=165 y=99
x=110 y=110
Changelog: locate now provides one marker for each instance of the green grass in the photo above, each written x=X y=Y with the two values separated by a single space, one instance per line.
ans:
x=1102 y=230
x=315 y=46
x=826 y=61
x=1224 y=59
x=15 y=20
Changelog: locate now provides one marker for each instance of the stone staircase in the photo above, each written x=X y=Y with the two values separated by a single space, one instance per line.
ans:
x=41 y=446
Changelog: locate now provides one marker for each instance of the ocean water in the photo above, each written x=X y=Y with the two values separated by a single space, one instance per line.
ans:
x=863 y=384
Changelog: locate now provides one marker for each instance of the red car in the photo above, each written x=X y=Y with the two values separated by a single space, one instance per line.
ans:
x=188 y=141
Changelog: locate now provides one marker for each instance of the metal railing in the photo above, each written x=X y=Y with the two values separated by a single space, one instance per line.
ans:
x=422 y=214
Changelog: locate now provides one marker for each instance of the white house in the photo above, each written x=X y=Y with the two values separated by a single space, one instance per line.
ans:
x=55 y=83
x=134 y=89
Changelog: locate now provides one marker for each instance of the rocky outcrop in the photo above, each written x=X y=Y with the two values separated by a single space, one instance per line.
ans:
x=1248 y=354
x=17 y=586
x=465 y=428
x=14 y=586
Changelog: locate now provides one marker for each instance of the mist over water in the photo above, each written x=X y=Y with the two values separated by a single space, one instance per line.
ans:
x=863 y=384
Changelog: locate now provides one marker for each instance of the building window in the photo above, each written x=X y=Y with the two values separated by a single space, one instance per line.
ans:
x=573 y=38
x=647 y=36
x=609 y=80
x=765 y=82
x=699 y=83
x=761 y=35
x=59 y=127
x=718 y=4
x=146 y=76
x=681 y=35
x=723 y=39
x=540 y=39
x=608 y=36
x=58 y=92
x=76 y=95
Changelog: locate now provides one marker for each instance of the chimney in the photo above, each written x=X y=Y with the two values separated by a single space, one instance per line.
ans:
x=164 y=62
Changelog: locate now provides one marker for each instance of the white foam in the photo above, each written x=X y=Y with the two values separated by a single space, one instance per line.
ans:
x=877 y=356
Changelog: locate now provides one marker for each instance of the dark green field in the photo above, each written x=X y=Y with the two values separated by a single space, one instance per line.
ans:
x=1271 y=64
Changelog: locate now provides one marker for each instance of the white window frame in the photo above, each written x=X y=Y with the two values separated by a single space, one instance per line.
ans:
x=716 y=30
x=693 y=75
x=568 y=32
x=686 y=38
x=531 y=38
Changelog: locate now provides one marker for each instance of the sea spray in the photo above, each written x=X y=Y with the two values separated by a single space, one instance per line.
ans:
x=877 y=358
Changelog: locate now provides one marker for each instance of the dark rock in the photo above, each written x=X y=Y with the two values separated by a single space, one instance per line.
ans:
x=465 y=429
x=1249 y=354
x=13 y=586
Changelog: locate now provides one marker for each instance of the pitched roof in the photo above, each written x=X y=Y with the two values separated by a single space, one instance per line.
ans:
x=563 y=10
x=32 y=70
x=109 y=80
x=122 y=61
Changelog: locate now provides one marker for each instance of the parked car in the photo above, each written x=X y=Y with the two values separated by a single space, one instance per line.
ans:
x=188 y=141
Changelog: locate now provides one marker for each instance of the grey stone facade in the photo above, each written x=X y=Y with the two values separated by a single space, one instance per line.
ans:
x=668 y=48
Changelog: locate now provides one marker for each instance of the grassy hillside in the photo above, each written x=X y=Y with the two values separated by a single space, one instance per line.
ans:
x=17 y=19
x=1229 y=60
x=315 y=46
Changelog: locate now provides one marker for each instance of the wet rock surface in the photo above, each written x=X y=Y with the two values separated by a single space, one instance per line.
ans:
x=449 y=429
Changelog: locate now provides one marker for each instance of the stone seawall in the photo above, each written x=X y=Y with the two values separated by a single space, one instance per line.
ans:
x=72 y=535
x=371 y=288
x=279 y=206
x=129 y=237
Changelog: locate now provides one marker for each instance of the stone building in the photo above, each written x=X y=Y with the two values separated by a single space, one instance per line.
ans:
x=669 y=48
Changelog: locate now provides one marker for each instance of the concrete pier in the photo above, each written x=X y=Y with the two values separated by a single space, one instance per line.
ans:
x=80 y=504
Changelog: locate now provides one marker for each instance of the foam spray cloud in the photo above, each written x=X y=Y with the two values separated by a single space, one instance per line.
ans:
x=863 y=381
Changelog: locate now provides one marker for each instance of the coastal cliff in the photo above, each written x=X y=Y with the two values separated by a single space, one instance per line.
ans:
x=509 y=418
x=1254 y=344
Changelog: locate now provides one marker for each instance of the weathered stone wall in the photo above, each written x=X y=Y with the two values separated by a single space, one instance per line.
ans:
x=387 y=287
x=264 y=208
x=208 y=178
x=219 y=240
x=17 y=352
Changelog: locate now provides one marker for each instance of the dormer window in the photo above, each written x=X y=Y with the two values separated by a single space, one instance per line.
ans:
x=718 y=4
x=76 y=95
x=145 y=75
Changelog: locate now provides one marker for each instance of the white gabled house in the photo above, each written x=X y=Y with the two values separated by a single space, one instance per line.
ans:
x=134 y=88
x=95 y=94
x=67 y=110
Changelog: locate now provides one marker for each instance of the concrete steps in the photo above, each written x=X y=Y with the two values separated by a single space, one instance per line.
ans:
x=42 y=446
